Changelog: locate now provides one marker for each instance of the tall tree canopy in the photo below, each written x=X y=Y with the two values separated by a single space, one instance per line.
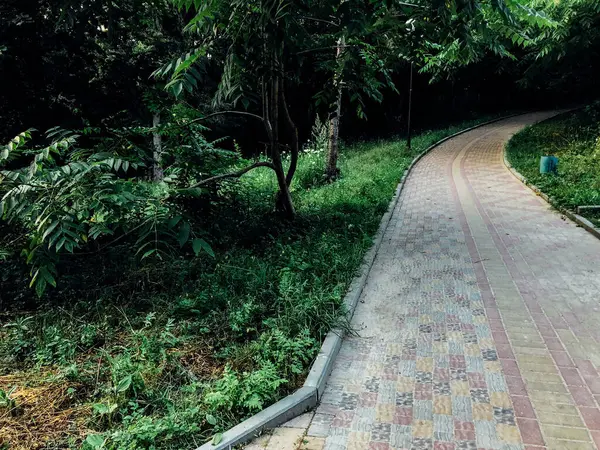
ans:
x=264 y=47
x=140 y=89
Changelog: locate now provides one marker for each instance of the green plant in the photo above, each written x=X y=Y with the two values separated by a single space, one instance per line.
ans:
x=319 y=137
x=290 y=356
x=574 y=140
x=68 y=198
x=244 y=393
x=19 y=340
x=55 y=347
x=6 y=402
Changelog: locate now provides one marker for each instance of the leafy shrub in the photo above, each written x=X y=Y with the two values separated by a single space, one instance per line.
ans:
x=290 y=356
x=67 y=198
x=244 y=393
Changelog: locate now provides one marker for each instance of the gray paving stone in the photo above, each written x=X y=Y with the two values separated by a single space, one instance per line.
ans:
x=485 y=433
x=461 y=408
x=401 y=436
x=423 y=409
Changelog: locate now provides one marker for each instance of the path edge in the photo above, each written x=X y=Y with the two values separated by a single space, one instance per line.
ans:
x=308 y=396
x=573 y=216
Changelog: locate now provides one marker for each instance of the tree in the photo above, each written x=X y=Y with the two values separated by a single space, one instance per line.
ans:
x=349 y=40
x=257 y=37
x=564 y=59
x=372 y=40
x=350 y=43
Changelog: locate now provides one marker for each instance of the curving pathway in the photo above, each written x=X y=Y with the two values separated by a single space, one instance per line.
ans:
x=479 y=327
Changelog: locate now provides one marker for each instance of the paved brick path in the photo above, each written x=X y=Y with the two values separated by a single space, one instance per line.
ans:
x=479 y=327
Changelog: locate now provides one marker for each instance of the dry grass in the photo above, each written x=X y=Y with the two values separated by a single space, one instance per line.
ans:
x=200 y=360
x=43 y=412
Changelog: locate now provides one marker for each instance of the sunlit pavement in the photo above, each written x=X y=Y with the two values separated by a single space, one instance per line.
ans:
x=479 y=327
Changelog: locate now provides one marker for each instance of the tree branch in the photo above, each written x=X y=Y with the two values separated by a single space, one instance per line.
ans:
x=411 y=5
x=219 y=113
x=314 y=19
x=237 y=174
x=318 y=49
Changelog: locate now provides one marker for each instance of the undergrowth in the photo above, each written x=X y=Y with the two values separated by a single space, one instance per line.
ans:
x=573 y=137
x=168 y=355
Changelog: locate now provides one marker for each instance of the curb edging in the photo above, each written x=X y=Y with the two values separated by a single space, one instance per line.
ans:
x=309 y=395
x=573 y=216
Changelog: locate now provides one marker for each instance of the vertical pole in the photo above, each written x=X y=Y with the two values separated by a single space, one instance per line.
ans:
x=410 y=89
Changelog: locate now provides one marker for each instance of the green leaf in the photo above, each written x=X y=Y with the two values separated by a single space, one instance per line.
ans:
x=211 y=419
x=49 y=230
x=96 y=441
x=184 y=233
x=40 y=287
x=60 y=243
x=34 y=277
x=47 y=276
x=124 y=384
x=177 y=88
x=148 y=253
x=201 y=244
x=174 y=221
x=217 y=438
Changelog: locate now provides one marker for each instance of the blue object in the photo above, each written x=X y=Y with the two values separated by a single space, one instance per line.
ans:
x=548 y=164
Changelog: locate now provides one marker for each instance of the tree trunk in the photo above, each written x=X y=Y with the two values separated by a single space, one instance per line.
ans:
x=157 y=171
x=331 y=170
x=284 y=199
x=295 y=142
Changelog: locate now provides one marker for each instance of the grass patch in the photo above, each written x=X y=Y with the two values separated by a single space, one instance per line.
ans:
x=165 y=355
x=574 y=138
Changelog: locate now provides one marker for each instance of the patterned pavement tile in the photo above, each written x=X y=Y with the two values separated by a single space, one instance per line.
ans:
x=479 y=326
x=442 y=346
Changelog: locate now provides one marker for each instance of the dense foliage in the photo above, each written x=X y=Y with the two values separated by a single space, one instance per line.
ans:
x=574 y=138
x=565 y=58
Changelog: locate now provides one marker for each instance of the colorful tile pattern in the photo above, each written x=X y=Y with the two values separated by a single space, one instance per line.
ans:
x=425 y=343
x=479 y=327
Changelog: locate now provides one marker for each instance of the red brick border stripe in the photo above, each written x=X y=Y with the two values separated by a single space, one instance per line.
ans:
x=524 y=412
x=581 y=391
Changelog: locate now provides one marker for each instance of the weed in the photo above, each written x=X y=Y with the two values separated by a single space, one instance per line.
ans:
x=6 y=402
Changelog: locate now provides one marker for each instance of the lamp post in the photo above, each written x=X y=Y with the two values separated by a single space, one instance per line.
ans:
x=410 y=89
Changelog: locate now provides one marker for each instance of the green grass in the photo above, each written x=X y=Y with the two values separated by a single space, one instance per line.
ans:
x=574 y=138
x=168 y=354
